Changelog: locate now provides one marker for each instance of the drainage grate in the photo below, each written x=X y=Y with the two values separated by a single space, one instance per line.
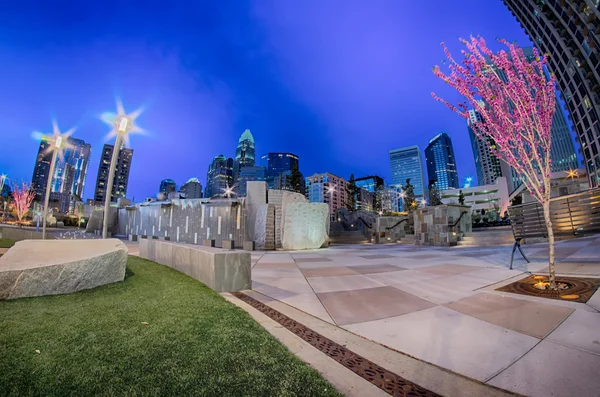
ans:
x=578 y=289
x=388 y=381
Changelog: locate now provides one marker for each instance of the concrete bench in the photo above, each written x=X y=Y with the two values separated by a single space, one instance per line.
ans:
x=220 y=270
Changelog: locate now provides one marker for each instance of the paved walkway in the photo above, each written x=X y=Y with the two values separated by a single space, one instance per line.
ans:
x=440 y=305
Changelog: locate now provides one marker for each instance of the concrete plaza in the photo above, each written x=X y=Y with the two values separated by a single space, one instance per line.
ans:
x=439 y=305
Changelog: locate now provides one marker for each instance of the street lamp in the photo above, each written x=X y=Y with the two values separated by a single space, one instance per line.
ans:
x=58 y=142
x=228 y=191
x=330 y=190
x=3 y=178
x=123 y=124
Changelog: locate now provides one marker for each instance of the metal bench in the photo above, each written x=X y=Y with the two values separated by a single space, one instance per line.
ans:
x=572 y=216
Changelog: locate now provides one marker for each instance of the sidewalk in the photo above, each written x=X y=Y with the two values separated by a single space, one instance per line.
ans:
x=439 y=305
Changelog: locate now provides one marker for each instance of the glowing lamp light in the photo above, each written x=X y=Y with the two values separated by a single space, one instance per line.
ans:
x=58 y=142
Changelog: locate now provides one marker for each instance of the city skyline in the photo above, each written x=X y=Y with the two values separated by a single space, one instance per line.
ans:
x=197 y=110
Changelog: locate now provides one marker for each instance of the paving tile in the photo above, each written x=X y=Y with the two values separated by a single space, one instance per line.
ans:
x=448 y=269
x=535 y=319
x=580 y=330
x=449 y=339
x=276 y=265
x=435 y=290
x=371 y=269
x=577 y=267
x=377 y=256
x=426 y=256
x=327 y=271
x=403 y=276
x=347 y=307
x=550 y=369
x=594 y=301
x=312 y=259
x=279 y=288
x=275 y=272
x=310 y=304
x=342 y=283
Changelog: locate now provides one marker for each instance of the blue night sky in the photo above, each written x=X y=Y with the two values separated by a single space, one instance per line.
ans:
x=337 y=82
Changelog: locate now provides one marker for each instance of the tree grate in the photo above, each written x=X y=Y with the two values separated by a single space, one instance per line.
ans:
x=391 y=383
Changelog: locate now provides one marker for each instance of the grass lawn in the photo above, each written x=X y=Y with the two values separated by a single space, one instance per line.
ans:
x=95 y=343
x=6 y=243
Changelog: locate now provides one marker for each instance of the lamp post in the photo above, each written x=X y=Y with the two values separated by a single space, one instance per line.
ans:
x=3 y=178
x=331 y=189
x=123 y=124
x=58 y=142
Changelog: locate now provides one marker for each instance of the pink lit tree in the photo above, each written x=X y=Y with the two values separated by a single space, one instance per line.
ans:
x=23 y=196
x=515 y=98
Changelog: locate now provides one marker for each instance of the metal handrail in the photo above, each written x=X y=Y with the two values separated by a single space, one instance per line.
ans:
x=366 y=224
x=391 y=227
x=459 y=218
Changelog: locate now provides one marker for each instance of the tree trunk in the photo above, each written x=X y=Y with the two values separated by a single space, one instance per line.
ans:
x=551 y=269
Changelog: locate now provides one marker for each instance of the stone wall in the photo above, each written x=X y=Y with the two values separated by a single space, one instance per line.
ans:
x=264 y=227
x=433 y=225
x=306 y=226
x=398 y=226
x=256 y=196
x=187 y=221
x=19 y=234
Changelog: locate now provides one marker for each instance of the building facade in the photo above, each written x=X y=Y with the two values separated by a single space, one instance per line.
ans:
x=371 y=183
x=121 y=177
x=249 y=174
x=192 y=189
x=219 y=177
x=407 y=163
x=70 y=171
x=485 y=197
x=569 y=31
x=279 y=168
x=244 y=153
x=487 y=164
x=327 y=188
x=441 y=162
x=167 y=186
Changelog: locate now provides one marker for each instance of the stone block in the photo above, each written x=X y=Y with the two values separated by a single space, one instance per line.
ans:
x=248 y=246
x=19 y=234
x=228 y=244
x=51 y=267
x=306 y=226
x=133 y=237
x=208 y=243
x=220 y=270
x=264 y=228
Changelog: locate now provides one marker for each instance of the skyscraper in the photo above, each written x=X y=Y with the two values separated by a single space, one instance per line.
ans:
x=249 y=174
x=280 y=162
x=167 y=186
x=244 y=153
x=441 y=162
x=487 y=164
x=192 y=189
x=121 y=177
x=371 y=183
x=406 y=163
x=569 y=31
x=219 y=177
x=70 y=171
x=327 y=188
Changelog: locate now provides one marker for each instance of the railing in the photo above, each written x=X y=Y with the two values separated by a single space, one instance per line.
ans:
x=397 y=224
x=365 y=223
x=576 y=215
x=459 y=218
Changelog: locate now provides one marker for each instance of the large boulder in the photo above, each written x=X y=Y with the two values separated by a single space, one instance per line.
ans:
x=50 y=267
x=306 y=226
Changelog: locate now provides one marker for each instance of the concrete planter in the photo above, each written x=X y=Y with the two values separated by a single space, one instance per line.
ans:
x=443 y=225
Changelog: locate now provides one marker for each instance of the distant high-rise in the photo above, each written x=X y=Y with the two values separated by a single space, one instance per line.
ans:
x=167 y=186
x=219 y=177
x=192 y=189
x=244 y=153
x=370 y=183
x=70 y=171
x=121 y=177
x=441 y=162
x=569 y=31
x=406 y=163
x=249 y=174
x=277 y=164
x=327 y=188
x=487 y=163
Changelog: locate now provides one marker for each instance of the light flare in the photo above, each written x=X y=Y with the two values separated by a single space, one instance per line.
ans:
x=122 y=123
